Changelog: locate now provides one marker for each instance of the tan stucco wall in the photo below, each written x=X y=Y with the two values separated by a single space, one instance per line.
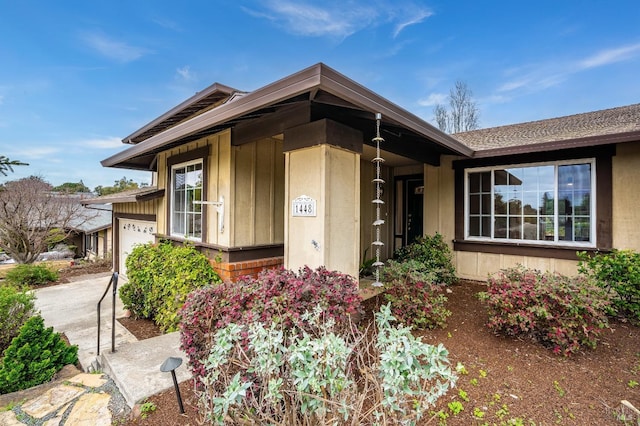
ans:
x=331 y=238
x=625 y=199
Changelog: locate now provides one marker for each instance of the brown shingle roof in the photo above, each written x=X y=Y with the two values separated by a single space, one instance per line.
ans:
x=591 y=128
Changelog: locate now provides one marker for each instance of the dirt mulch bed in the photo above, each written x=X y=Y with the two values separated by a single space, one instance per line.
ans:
x=507 y=380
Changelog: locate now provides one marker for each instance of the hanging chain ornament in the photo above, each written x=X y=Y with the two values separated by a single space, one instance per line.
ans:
x=378 y=182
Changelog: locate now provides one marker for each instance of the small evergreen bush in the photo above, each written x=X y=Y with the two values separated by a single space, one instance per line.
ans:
x=380 y=375
x=31 y=275
x=34 y=356
x=618 y=273
x=414 y=299
x=433 y=254
x=16 y=307
x=160 y=278
x=564 y=313
x=276 y=295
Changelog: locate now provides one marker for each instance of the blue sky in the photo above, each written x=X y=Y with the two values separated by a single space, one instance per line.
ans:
x=77 y=76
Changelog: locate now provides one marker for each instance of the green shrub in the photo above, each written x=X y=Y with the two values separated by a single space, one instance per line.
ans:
x=380 y=375
x=433 y=254
x=276 y=295
x=16 y=307
x=414 y=299
x=31 y=275
x=617 y=272
x=34 y=356
x=562 y=312
x=160 y=278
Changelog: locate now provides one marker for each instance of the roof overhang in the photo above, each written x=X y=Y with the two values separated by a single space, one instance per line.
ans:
x=207 y=98
x=560 y=144
x=143 y=194
x=317 y=81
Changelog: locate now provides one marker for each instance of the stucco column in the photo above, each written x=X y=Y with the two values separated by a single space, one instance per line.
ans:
x=322 y=195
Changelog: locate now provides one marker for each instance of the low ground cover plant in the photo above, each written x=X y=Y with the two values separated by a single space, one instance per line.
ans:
x=287 y=376
x=434 y=256
x=34 y=356
x=564 y=313
x=16 y=307
x=277 y=295
x=31 y=275
x=415 y=299
x=160 y=278
x=618 y=272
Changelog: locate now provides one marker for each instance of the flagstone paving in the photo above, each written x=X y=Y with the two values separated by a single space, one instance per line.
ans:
x=85 y=399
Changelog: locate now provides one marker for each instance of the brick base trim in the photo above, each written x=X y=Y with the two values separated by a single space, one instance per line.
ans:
x=233 y=270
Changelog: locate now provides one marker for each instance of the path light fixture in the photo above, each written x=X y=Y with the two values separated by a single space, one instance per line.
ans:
x=170 y=365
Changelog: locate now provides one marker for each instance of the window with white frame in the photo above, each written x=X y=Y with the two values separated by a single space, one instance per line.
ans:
x=186 y=192
x=550 y=203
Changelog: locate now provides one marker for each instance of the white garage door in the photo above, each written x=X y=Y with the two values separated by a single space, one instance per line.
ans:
x=132 y=232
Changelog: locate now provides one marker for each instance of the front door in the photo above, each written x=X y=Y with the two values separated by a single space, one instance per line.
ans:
x=408 y=209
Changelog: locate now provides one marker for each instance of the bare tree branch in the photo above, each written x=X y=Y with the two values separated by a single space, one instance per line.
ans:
x=33 y=218
x=463 y=113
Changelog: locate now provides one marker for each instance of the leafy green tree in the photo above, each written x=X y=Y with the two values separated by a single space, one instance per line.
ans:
x=72 y=187
x=6 y=165
x=120 y=185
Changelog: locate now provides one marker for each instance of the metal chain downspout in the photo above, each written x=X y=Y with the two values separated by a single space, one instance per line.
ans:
x=378 y=182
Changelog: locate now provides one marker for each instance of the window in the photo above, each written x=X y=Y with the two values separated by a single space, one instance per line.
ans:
x=542 y=203
x=91 y=242
x=186 y=213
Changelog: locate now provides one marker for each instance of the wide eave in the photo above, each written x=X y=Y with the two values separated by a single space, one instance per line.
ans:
x=320 y=86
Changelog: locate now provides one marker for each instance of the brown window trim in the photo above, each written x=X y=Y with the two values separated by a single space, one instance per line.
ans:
x=604 y=209
x=201 y=153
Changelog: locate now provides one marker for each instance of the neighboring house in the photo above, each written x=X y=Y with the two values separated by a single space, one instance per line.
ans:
x=283 y=176
x=91 y=235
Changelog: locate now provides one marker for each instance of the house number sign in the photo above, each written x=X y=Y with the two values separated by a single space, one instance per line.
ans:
x=303 y=206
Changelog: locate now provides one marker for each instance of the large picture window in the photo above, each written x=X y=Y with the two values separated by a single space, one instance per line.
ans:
x=551 y=203
x=186 y=216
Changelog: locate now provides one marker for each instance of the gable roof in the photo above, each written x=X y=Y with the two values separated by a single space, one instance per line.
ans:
x=318 y=84
x=91 y=221
x=607 y=126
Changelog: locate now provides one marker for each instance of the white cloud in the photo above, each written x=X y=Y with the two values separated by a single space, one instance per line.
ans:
x=433 y=99
x=610 y=56
x=417 y=18
x=340 y=19
x=37 y=152
x=185 y=73
x=113 y=49
x=104 y=143
x=1 y=99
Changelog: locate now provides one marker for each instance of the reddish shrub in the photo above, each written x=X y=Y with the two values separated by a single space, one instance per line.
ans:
x=561 y=312
x=415 y=299
x=276 y=295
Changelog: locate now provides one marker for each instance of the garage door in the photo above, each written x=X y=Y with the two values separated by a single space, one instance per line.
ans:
x=132 y=232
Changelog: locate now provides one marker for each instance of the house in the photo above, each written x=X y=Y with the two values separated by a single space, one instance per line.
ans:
x=283 y=176
x=91 y=233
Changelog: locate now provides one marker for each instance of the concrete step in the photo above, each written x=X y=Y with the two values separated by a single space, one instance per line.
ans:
x=135 y=366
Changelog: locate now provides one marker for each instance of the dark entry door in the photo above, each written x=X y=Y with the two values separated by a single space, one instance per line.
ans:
x=409 y=209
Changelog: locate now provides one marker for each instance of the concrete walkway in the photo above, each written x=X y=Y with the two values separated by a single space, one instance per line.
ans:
x=134 y=367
